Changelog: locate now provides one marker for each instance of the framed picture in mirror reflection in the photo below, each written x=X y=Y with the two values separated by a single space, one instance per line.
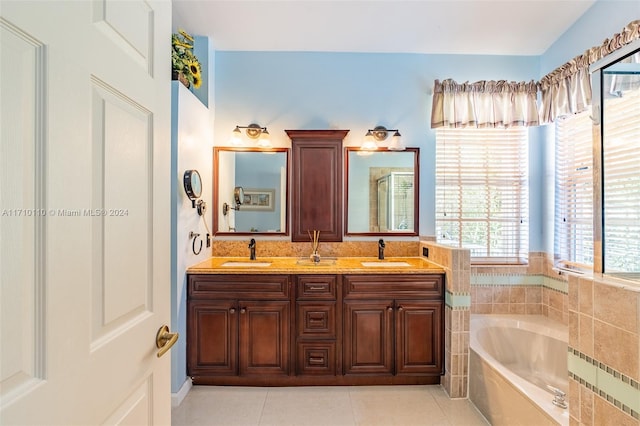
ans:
x=258 y=199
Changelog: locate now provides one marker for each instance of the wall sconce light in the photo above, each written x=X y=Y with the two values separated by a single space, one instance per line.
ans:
x=253 y=131
x=379 y=134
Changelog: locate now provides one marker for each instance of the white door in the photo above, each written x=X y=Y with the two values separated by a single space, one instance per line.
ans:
x=84 y=211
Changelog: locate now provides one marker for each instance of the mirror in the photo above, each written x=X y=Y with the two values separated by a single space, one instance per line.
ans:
x=621 y=176
x=259 y=180
x=382 y=192
x=192 y=185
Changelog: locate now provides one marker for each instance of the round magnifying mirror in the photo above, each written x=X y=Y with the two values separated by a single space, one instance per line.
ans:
x=192 y=185
x=238 y=195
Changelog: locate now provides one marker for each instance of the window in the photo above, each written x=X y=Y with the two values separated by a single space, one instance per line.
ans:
x=573 y=241
x=482 y=192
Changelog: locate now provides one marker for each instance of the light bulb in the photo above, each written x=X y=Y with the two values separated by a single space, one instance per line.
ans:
x=396 y=142
x=369 y=144
x=265 y=140
x=236 y=136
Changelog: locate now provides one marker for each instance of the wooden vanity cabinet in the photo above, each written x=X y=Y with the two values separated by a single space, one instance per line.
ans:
x=238 y=325
x=315 y=329
x=393 y=325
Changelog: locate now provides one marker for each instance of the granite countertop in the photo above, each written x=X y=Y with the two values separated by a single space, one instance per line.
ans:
x=297 y=265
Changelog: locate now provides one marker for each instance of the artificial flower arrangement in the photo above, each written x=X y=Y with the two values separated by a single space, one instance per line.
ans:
x=183 y=62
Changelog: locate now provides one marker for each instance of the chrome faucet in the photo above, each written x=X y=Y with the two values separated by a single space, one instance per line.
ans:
x=252 y=249
x=558 y=397
x=381 y=249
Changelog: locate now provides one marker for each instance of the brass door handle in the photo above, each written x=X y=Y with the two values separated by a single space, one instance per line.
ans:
x=165 y=339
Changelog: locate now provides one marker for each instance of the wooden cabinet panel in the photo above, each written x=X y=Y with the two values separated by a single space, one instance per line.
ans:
x=316 y=319
x=418 y=337
x=316 y=358
x=393 y=286
x=316 y=181
x=317 y=287
x=264 y=337
x=256 y=286
x=212 y=333
x=374 y=302
x=368 y=337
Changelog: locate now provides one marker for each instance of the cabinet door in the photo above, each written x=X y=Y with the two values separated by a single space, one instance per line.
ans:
x=418 y=337
x=212 y=338
x=264 y=337
x=316 y=183
x=368 y=336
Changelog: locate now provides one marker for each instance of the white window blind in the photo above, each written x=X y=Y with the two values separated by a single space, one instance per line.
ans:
x=482 y=192
x=574 y=191
x=621 y=169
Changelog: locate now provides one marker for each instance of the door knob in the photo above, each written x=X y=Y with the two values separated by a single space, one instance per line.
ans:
x=165 y=339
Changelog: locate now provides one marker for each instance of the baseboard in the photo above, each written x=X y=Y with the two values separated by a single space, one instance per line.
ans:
x=176 y=398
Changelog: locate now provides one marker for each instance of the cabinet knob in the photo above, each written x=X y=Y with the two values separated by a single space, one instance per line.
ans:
x=243 y=310
x=400 y=308
x=390 y=309
x=232 y=310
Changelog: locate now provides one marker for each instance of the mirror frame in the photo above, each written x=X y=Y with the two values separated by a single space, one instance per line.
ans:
x=416 y=194
x=217 y=209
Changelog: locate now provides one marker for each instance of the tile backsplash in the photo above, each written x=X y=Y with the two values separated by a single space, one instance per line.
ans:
x=270 y=248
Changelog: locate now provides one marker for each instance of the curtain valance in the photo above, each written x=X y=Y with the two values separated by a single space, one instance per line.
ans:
x=484 y=104
x=564 y=91
x=567 y=89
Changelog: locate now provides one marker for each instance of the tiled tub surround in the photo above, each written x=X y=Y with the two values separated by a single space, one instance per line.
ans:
x=457 y=266
x=513 y=293
x=512 y=360
x=603 y=320
x=604 y=352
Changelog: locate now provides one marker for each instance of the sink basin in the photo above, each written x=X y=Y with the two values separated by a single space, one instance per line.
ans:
x=387 y=264
x=236 y=264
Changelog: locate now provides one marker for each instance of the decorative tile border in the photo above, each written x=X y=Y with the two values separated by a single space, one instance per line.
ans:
x=520 y=280
x=617 y=388
x=557 y=285
x=457 y=300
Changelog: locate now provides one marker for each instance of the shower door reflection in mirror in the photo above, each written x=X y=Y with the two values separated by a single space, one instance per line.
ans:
x=382 y=192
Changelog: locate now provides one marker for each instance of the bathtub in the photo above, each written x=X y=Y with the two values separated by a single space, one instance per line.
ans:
x=512 y=359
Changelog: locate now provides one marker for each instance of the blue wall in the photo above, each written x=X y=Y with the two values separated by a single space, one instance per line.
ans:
x=601 y=21
x=604 y=19
x=357 y=91
x=265 y=174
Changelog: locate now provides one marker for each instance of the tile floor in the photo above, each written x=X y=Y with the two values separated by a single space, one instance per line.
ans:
x=324 y=406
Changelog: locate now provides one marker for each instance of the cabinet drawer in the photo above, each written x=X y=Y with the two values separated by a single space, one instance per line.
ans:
x=317 y=287
x=316 y=358
x=258 y=286
x=393 y=286
x=316 y=319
